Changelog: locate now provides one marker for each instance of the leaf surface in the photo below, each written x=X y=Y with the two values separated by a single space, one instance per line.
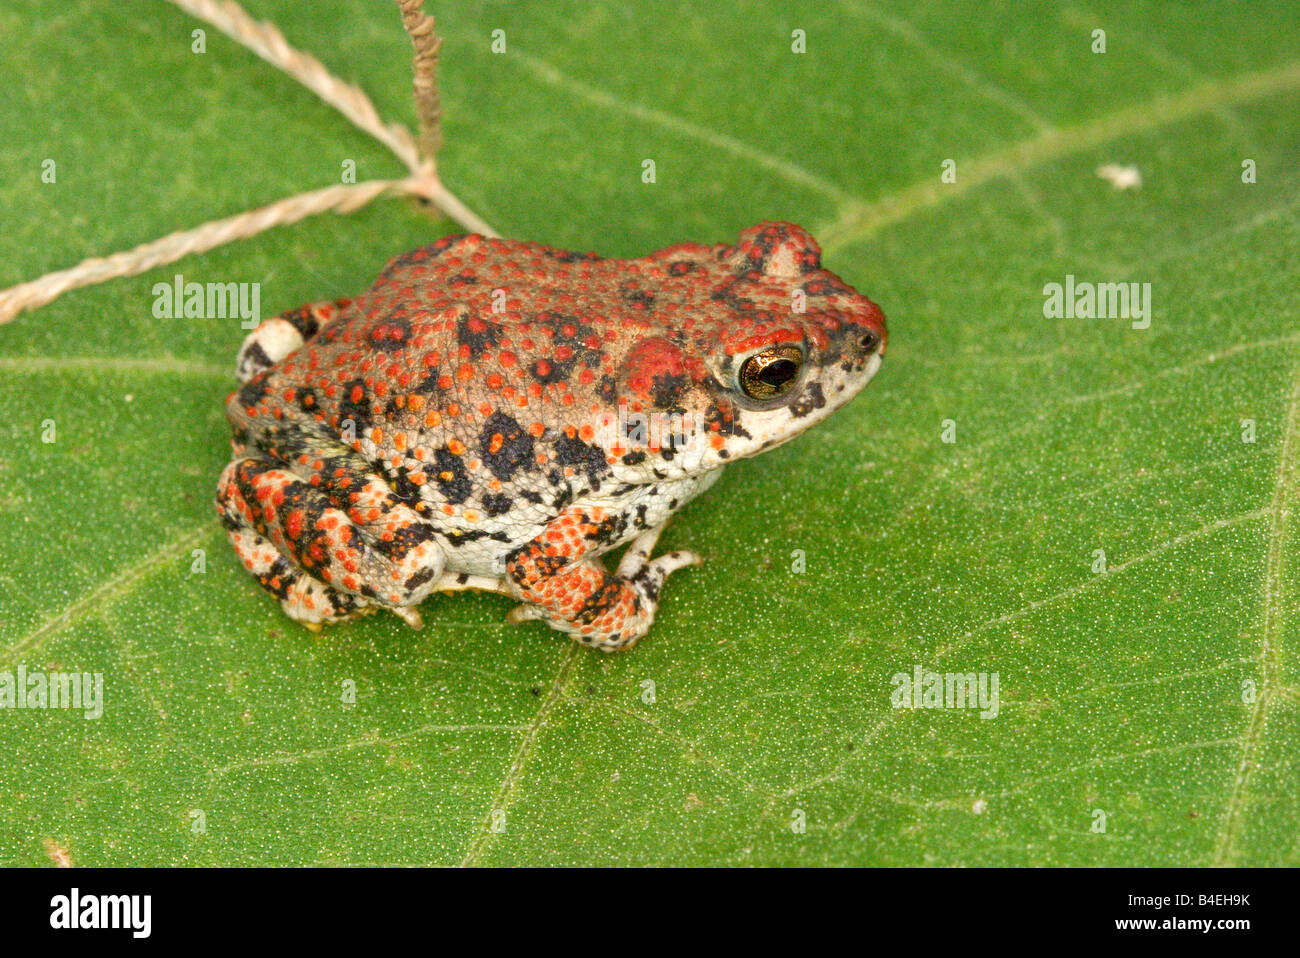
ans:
x=1161 y=693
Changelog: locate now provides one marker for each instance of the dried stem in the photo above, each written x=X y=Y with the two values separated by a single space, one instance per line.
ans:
x=428 y=104
x=269 y=43
x=340 y=199
x=266 y=40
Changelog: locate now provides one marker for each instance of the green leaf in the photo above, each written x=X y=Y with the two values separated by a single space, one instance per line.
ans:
x=1161 y=695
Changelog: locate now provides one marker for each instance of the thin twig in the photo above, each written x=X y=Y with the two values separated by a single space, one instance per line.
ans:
x=428 y=104
x=266 y=40
x=269 y=43
x=340 y=199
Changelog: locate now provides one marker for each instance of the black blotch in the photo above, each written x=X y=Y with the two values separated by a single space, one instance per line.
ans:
x=478 y=334
x=554 y=371
x=280 y=572
x=253 y=391
x=257 y=355
x=402 y=541
x=559 y=369
x=634 y=458
x=599 y=602
x=337 y=470
x=390 y=335
x=567 y=256
x=423 y=254
x=458 y=537
x=571 y=451
x=302 y=320
x=496 y=503
x=562 y=498
x=398 y=480
x=520 y=561
x=649 y=583
x=419 y=579
x=428 y=386
x=666 y=391
x=826 y=286
x=516 y=450
x=726 y=427
x=809 y=399
x=609 y=531
x=635 y=296
x=358 y=409
x=452 y=477
x=728 y=296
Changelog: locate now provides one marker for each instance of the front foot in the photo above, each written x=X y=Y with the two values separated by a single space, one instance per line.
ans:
x=649 y=574
x=576 y=595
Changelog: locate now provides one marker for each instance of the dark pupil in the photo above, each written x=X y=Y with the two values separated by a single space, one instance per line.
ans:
x=777 y=373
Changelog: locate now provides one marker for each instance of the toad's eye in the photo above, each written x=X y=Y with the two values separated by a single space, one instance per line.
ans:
x=771 y=372
x=868 y=341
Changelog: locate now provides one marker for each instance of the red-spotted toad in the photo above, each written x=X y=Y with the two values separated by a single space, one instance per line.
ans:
x=496 y=415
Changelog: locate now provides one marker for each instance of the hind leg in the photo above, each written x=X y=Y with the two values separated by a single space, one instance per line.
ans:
x=307 y=601
x=327 y=564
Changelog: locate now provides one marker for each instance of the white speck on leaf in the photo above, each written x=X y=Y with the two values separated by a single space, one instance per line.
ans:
x=1120 y=177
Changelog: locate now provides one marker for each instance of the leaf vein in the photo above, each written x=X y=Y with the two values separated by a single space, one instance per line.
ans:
x=505 y=793
x=1270 y=651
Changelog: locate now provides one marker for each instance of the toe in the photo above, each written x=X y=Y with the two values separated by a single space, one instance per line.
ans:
x=523 y=613
x=410 y=615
